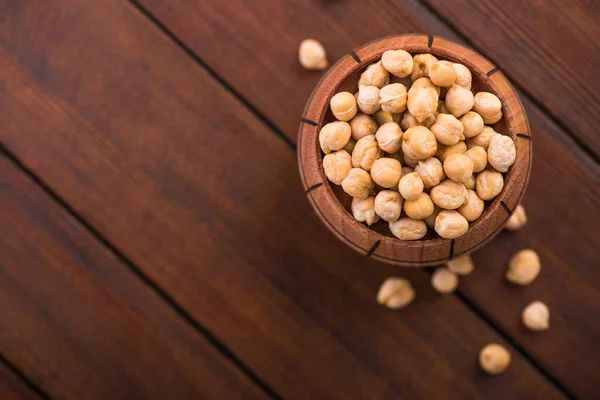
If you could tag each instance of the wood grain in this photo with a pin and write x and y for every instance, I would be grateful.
(206, 199)
(12, 387)
(79, 324)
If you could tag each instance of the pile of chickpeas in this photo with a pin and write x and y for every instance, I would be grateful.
(413, 146)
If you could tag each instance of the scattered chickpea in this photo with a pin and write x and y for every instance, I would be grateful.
(349, 147)
(337, 165)
(536, 316)
(421, 65)
(431, 172)
(489, 184)
(501, 152)
(458, 167)
(523, 267)
(470, 183)
(488, 105)
(410, 186)
(408, 229)
(430, 221)
(472, 124)
(334, 136)
(397, 62)
(395, 293)
(479, 156)
(445, 151)
(343, 106)
(312, 55)
(383, 117)
(463, 75)
(442, 73)
(386, 172)
(393, 98)
(449, 195)
(419, 142)
(388, 205)
(420, 208)
(363, 210)
(444, 281)
(517, 220)
(447, 129)
(472, 207)
(483, 139)
(368, 99)
(366, 151)
(494, 359)
(374, 75)
(450, 224)
(389, 137)
(462, 265)
(459, 100)
(358, 183)
(362, 125)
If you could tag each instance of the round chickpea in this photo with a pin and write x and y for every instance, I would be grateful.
(445, 151)
(473, 206)
(397, 62)
(421, 65)
(458, 167)
(488, 105)
(408, 229)
(358, 183)
(337, 165)
(489, 184)
(362, 125)
(393, 98)
(449, 224)
(368, 99)
(459, 100)
(420, 208)
(374, 75)
(472, 124)
(442, 73)
(462, 265)
(536, 316)
(444, 281)
(447, 129)
(409, 161)
(388, 205)
(389, 137)
(478, 155)
(410, 186)
(312, 55)
(494, 359)
(449, 195)
(396, 293)
(523, 267)
(418, 142)
(463, 75)
(343, 106)
(431, 172)
(386, 172)
(334, 136)
(363, 210)
(483, 139)
(365, 153)
(422, 103)
(517, 220)
(501, 152)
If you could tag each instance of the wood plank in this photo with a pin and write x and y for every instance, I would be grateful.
(13, 387)
(206, 199)
(81, 325)
(279, 87)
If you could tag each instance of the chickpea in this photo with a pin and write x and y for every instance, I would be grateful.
(442, 73)
(422, 100)
(420, 208)
(524, 267)
(362, 125)
(407, 170)
(358, 183)
(409, 120)
(397, 62)
(421, 65)
(430, 221)
(458, 167)
(418, 142)
(334, 136)
(425, 83)
(444, 281)
(431, 172)
(343, 106)
(478, 155)
(501, 152)
(337, 165)
(536, 316)
(463, 75)
(442, 109)
(472, 124)
(483, 139)
(488, 105)
(462, 265)
(449, 224)
(374, 75)
(389, 137)
(489, 184)
(383, 117)
(445, 151)
(365, 153)
(312, 55)
(363, 210)
(473, 206)
(388, 205)
(459, 100)
(409, 161)
(408, 229)
(494, 359)
(410, 186)
(393, 98)
(517, 220)
(349, 147)
(386, 172)
(396, 293)
(470, 183)
(447, 129)
(449, 195)
(368, 99)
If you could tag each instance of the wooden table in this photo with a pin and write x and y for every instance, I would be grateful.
(157, 244)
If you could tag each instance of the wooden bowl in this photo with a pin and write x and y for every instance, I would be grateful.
(332, 205)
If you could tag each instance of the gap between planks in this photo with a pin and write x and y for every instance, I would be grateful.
(28, 381)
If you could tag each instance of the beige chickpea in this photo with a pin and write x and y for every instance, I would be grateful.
(536, 316)
(501, 152)
(458, 167)
(483, 139)
(447, 129)
(494, 359)
(449, 195)
(489, 184)
(450, 224)
(419, 142)
(462, 265)
(478, 155)
(383, 117)
(409, 161)
(431, 172)
(395, 293)
(312, 55)
(362, 125)
(349, 147)
(334, 136)
(421, 65)
(358, 183)
(374, 75)
(368, 99)
(472, 124)
(517, 220)
(463, 75)
(397, 62)
(442, 109)
(388, 205)
(365, 153)
(409, 120)
(472, 207)
(470, 183)
(408, 229)
(407, 170)
(523, 267)
(389, 137)
(488, 105)
(393, 98)
(423, 99)
(343, 106)
(425, 83)
(386, 172)
(444, 281)
(459, 100)
(442, 73)
(430, 221)
(410, 186)
(445, 151)
(363, 210)
(337, 165)
(420, 208)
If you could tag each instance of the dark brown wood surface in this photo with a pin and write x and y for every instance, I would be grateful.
(198, 191)
(13, 387)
